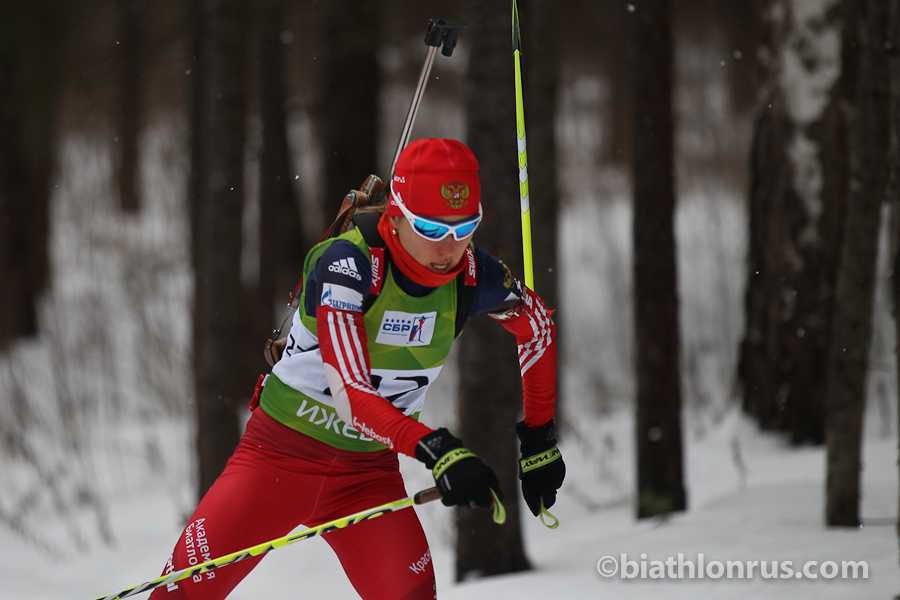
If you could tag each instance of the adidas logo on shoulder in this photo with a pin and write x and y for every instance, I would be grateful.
(345, 266)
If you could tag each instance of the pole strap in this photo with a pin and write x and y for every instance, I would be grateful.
(499, 512)
(554, 523)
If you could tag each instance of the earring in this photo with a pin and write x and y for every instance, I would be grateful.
(394, 231)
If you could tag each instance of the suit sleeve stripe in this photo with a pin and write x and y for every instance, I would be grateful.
(335, 323)
(538, 342)
(531, 351)
(338, 350)
(358, 348)
(336, 346)
(354, 353)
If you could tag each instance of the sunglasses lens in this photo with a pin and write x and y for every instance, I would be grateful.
(467, 229)
(430, 229)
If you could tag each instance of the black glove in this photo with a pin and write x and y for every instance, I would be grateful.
(541, 469)
(462, 478)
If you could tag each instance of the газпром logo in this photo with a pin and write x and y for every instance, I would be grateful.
(341, 297)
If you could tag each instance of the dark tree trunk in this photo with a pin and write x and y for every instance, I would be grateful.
(894, 181)
(490, 384)
(867, 113)
(658, 425)
(29, 86)
(195, 112)
(797, 175)
(218, 301)
(622, 112)
(351, 79)
(540, 63)
(281, 241)
(131, 28)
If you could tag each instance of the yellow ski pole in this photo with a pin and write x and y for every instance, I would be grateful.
(523, 186)
(523, 154)
(422, 497)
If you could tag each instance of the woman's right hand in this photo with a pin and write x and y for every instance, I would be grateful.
(462, 478)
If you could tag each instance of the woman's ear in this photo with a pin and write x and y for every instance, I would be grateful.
(395, 221)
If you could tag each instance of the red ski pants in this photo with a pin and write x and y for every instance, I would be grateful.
(278, 479)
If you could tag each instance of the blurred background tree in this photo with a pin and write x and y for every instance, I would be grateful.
(490, 386)
(866, 101)
(660, 472)
(33, 37)
(797, 191)
(130, 46)
(219, 315)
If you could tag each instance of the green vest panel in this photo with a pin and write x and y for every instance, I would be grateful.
(408, 342)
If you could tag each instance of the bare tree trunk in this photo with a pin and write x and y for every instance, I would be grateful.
(218, 315)
(131, 28)
(18, 199)
(867, 113)
(796, 198)
(281, 240)
(490, 384)
(658, 425)
(894, 181)
(29, 88)
(350, 97)
(540, 63)
(739, 21)
(195, 114)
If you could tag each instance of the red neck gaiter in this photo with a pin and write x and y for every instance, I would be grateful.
(408, 265)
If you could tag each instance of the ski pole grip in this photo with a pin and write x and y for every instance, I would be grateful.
(426, 496)
(444, 33)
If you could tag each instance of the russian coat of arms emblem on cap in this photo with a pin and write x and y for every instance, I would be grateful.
(456, 194)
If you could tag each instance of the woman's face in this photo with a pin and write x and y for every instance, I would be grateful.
(438, 257)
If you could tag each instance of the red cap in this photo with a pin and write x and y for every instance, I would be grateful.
(436, 178)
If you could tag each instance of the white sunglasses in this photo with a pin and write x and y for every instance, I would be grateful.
(435, 231)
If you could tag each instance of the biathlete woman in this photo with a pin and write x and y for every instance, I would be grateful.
(373, 329)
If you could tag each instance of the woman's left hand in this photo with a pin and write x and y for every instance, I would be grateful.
(541, 469)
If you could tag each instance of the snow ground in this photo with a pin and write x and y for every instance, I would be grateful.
(771, 508)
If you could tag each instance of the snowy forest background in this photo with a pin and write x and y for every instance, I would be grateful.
(98, 416)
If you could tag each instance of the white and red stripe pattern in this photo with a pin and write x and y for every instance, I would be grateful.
(352, 360)
(535, 332)
(542, 330)
(344, 347)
